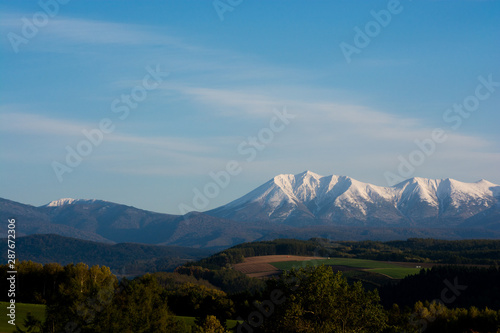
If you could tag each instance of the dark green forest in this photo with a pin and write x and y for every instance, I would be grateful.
(451, 297)
(124, 259)
(478, 252)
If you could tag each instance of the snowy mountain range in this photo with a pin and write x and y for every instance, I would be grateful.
(310, 199)
(300, 206)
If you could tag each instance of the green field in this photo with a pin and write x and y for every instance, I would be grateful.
(21, 312)
(394, 271)
(39, 312)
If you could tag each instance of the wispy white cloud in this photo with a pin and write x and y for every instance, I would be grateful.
(324, 126)
(35, 124)
(164, 143)
(230, 102)
(96, 32)
(343, 135)
(75, 31)
(254, 102)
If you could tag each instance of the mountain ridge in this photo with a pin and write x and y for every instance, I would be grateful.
(307, 196)
(107, 222)
(286, 206)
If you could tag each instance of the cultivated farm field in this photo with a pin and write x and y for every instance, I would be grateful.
(260, 267)
(267, 266)
(393, 270)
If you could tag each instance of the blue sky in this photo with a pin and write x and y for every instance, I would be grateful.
(227, 81)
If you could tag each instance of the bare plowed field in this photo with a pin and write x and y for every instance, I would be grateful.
(259, 267)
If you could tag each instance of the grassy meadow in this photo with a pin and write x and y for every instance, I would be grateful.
(38, 310)
(22, 310)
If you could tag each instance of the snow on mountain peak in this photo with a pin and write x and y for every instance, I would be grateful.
(309, 195)
(68, 201)
(61, 202)
(300, 187)
(308, 174)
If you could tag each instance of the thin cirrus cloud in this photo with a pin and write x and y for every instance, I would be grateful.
(229, 103)
(331, 123)
(193, 62)
(346, 129)
(34, 124)
(42, 126)
(71, 31)
(324, 124)
(249, 101)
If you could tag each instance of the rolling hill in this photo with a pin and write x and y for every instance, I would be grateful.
(122, 258)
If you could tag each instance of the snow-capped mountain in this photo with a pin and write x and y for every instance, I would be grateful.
(308, 199)
(70, 201)
(288, 206)
(108, 222)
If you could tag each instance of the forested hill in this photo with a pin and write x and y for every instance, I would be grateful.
(122, 258)
(136, 259)
(476, 251)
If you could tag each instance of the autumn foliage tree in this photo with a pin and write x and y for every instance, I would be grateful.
(318, 300)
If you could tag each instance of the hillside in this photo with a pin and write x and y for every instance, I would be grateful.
(122, 258)
(474, 251)
(108, 222)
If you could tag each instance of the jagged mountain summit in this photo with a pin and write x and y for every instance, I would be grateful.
(310, 199)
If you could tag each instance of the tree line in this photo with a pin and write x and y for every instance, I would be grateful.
(450, 298)
(477, 252)
(127, 259)
(79, 298)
